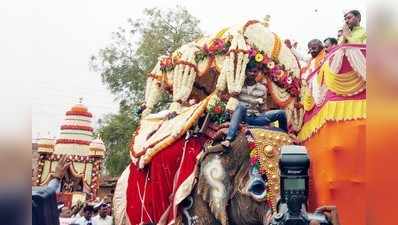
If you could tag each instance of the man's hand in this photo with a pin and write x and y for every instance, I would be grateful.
(288, 43)
(346, 31)
(330, 212)
(61, 167)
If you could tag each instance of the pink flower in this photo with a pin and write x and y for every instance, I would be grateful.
(253, 161)
(252, 52)
(266, 59)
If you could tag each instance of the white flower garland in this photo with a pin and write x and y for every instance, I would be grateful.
(152, 90)
(229, 76)
(184, 75)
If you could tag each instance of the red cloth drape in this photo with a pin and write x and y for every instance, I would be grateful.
(150, 191)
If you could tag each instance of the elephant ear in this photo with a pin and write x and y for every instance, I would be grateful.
(215, 183)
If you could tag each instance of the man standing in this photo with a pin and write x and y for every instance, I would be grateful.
(103, 218)
(353, 33)
(88, 211)
(317, 52)
(330, 43)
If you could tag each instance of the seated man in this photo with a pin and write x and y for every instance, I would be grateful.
(252, 108)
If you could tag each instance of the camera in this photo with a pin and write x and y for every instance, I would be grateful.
(292, 206)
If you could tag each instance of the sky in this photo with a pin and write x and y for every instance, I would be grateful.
(45, 46)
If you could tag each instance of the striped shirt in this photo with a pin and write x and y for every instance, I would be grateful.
(252, 97)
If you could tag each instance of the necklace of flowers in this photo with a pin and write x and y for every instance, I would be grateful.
(283, 77)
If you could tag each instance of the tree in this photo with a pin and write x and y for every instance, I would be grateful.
(124, 64)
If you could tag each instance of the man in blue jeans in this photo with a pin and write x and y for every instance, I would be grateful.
(252, 108)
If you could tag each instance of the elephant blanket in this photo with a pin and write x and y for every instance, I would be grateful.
(154, 192)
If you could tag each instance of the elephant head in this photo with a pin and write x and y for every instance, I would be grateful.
(228, 190)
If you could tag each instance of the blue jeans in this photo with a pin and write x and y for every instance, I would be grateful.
(240, 115)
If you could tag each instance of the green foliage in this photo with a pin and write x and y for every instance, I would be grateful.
(124, 64)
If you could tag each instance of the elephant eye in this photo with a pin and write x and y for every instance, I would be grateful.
(257, 188)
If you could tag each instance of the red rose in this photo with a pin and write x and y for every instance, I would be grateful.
(218, 109)
(252, 145)
(213, 48)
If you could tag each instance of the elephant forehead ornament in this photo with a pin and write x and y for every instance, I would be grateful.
(265, 158)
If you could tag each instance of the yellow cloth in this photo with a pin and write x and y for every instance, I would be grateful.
(346, 84)
(358, 36)
(333, 111)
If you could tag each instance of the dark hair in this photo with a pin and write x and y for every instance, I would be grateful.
(354, 12)
(88, 208)
(317, 41)
(332, 40)
(103, 205)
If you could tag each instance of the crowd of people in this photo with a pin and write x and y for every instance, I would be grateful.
(81, 213)
(87, 214)
(351, 33)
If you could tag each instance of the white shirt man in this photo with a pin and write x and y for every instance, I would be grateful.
(86, 219)
(102, 218)
(108, 220)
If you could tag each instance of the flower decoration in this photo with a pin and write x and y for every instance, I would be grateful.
(275, 71)
(166, 64)
(217, 47)
(259, 57)
(270, 65)
(217, 110)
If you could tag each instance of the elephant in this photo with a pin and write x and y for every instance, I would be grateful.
(228, 189)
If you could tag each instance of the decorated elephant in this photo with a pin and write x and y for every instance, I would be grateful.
(179, 174)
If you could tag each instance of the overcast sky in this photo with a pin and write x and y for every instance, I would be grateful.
(48, 43)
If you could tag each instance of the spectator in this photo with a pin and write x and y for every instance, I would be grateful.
(329, 44)
(88, 211)
(44, 204)
(353, 33)
(103, 218)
